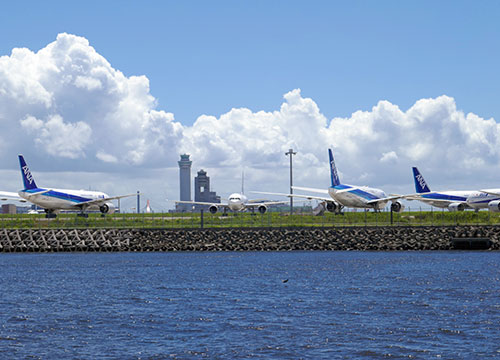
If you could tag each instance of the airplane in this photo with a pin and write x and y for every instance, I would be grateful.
(485, 199)
(54, 200)
(236, 202)
(351, 196)
(455, 200)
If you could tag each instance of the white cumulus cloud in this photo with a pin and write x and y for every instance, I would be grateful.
(66, 101)
(70, 102)
(59, 138)
(376, 147)
(389, 156)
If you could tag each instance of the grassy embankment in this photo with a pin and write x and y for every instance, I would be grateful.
(188, 220)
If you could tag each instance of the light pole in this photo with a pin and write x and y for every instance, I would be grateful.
(138, 202)
(291, 153)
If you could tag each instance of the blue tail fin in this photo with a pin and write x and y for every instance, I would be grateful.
(28, 181)
(333, 170)
(420, 184)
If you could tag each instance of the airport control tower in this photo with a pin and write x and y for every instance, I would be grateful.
(184, 182)
(202, 191)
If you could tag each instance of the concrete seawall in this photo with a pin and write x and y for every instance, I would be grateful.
(255, 239)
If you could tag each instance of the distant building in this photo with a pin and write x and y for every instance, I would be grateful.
(202, 190)
(184, 182)
(9, 209)
(201, 187)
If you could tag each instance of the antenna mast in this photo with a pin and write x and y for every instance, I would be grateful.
(242, 182)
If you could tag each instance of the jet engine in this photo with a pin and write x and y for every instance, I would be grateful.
(107, 208)
(213, 209)
(396, 206)
(494, 206)
(331, 206)
(456, 207)
(262, 209)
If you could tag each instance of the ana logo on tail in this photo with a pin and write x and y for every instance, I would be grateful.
(28, 180)
(28, 175)
(333, 169)
(421, 181)
(420, 184)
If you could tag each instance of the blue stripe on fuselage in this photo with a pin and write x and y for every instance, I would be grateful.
(364, 194)
(484, 201)
(59, 195)
(68, 197)
(438, 196)
(34, 191)
(357, 192)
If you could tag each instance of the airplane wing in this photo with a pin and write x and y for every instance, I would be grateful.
(494, 192)
(444, 201)
(389, 198)
(269, 193)
(200, 203)
(419, 196)
(416, 196)
(437, 200)
(256, 201)
(7, 195)
(309, 197)
(319, 191)
(103, 200)
(266, 203)
(312, 197)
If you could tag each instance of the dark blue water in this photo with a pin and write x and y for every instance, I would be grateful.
(316, 305)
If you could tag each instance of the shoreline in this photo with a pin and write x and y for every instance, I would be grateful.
(380, 238)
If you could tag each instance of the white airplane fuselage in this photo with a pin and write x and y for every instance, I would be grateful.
(237, 202)
(445, 198)
(358, 196)
(63, 199)
(480, 200)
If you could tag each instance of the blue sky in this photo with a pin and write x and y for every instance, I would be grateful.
(205, 57)
(392, 60)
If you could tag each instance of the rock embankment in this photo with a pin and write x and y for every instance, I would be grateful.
(255, 239)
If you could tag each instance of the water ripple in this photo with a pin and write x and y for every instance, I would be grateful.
(236, 305)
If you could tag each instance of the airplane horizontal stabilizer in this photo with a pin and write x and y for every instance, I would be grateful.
(7, 195)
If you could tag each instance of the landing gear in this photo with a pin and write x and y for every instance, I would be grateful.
(50, 214)
(82, 214)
